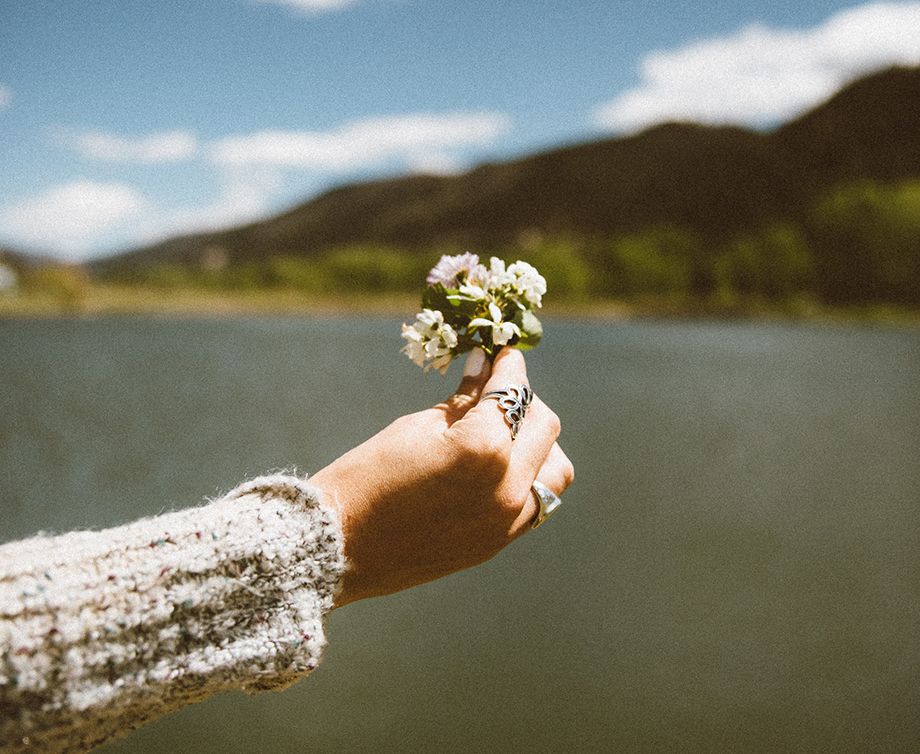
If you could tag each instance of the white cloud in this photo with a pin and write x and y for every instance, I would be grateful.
(243, 196)
(436, 163)
(760, 75)
(310, 6)
(80, 219)
(6, 96)
(363, 143)
(70, 219)
(167, 146)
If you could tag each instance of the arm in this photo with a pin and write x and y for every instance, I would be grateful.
(103, 631)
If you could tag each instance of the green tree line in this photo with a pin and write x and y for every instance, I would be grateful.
(858, 244)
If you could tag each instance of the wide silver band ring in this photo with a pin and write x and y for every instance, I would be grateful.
(548, 500)
(513, 400)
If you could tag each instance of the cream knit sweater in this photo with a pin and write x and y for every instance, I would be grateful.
(103, 631)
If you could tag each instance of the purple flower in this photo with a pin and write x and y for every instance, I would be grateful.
(449, 269)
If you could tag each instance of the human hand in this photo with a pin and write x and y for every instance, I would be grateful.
(443, 489)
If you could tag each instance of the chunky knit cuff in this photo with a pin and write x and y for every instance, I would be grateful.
(103, 631)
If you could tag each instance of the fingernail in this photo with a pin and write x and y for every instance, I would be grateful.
(474, 363)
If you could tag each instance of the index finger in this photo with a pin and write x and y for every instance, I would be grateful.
(486, 419)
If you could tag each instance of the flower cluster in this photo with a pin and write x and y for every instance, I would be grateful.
(468, 305)
(430, 339)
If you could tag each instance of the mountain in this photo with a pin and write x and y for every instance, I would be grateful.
(20, 261)
(714, 180)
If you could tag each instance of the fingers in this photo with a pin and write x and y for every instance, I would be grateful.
(483, 431)
(557, 473)
(535, 439)
(476, 371)
(486, 419)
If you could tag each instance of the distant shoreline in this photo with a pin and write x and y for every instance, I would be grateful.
(103, 300)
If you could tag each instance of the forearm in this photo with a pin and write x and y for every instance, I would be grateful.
(102, 631)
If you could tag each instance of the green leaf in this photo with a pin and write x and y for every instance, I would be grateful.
(436, 297)
(531, 329)
(457, 311)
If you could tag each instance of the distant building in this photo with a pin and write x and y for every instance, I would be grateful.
(9, 280)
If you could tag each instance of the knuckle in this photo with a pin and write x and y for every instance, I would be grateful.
(482, 455)
(548, 418)
(492, 457)
(510, 501)
(555, 424)
(568, 473)
(506, 505)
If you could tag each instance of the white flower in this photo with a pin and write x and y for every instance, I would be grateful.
(530, 283)
(440, 350)
(415, 344)
(429, 338)
(430, 319)
(448, 336)
(502, 331)
(498, 275)
(479, 276)
(471, 292)
(450, 269)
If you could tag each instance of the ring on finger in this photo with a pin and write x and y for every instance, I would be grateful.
(548, 502)
(513, 400)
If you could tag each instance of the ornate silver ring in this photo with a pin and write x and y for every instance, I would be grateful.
(513, 400)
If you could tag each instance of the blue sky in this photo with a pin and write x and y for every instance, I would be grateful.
(125, 122)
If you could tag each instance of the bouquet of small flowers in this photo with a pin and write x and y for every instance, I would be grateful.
(467, 305)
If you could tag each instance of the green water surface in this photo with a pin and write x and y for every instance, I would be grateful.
(737, 567)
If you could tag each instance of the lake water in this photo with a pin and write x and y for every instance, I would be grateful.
(737, 567)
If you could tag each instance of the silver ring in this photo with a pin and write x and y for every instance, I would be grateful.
(549, 501)
(513, 400)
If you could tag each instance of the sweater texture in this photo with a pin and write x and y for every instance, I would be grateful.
(103, 631)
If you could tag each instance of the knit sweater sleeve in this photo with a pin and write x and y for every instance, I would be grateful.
(103, 631)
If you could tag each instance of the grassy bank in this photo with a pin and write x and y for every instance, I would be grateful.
(124, 299)
(106, 298)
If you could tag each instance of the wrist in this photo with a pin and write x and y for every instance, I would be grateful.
(329, 490)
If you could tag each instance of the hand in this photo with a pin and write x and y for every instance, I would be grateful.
(445, 488)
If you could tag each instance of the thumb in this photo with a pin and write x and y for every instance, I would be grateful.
(476, 372)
